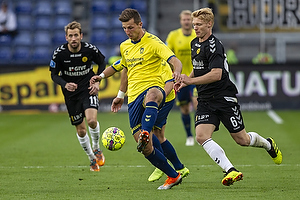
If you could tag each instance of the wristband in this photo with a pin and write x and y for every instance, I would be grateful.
(121, 94)
(102, 75)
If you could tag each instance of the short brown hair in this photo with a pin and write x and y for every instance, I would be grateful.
(130, 13)
(204, 14)
(72, 25)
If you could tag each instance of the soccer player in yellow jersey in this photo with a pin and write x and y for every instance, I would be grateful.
(159, 141)
(141, 56)
(179, 41)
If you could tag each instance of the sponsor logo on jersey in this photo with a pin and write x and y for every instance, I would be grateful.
(202, 118)
(75, 55)
(84, 59)
(198, 64)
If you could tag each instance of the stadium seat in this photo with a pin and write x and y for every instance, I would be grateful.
(63, 7)
(5, 40)
(144, 20)
(43, 23)
(100, 6)
(140, 5)
(118, 36)
(41, 55)
(58, 38)
(115, 22)
(23, 39)
(99, 37)
(100, 21)
(61, 21)
(5, 55)
(24, 7)
(43, 8)
(24, 22)
(22, 55)
(118, 6)
(42, 38)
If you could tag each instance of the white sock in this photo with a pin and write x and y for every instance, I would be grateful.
(258, 141)
(217, 154)
(95, 135)
(86, 145)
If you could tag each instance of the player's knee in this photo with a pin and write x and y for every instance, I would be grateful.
(185, 109)
(241, 138)
(148, 150)
(160, 136)
(200, 139)
(242, 143)
(81, 132)
(92, 123)
(154, 95)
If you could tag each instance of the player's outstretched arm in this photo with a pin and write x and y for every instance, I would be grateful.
(119, 100)
(177, 67)
(117, 104)
(109, 71)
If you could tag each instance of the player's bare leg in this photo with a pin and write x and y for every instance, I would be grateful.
(94, 129)
(84, 141)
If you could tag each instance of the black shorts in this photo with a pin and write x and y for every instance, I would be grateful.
(225, 110)
(77, 106)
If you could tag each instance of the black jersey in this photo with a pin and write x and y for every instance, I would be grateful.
(76, 67)
(206, 56)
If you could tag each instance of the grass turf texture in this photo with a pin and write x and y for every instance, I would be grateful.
(41, 159)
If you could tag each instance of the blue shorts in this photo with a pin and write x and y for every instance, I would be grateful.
(136, 110)
(185, 95)
(163, 114)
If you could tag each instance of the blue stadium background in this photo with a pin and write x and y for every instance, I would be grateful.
(41, 27)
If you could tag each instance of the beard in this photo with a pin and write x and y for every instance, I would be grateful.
(74, 45)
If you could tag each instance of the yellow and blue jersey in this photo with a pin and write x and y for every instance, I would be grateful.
(167, 76)
(143, 62)
(180, 44)
(117, 66)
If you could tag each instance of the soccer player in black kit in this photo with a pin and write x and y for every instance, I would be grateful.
(217, 101)
(71, 68)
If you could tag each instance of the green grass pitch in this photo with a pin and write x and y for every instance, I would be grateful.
(41, 159)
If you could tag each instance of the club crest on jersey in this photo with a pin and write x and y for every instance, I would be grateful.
(84, 59)
(142, 50)
(198, 51)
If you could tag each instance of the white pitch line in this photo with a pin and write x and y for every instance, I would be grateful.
(276, 118)
(140, 166)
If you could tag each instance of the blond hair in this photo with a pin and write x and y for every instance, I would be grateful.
(204, 14)
(185, 12)
(72, 25)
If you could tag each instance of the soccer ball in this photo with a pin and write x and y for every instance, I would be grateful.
(113, 138)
